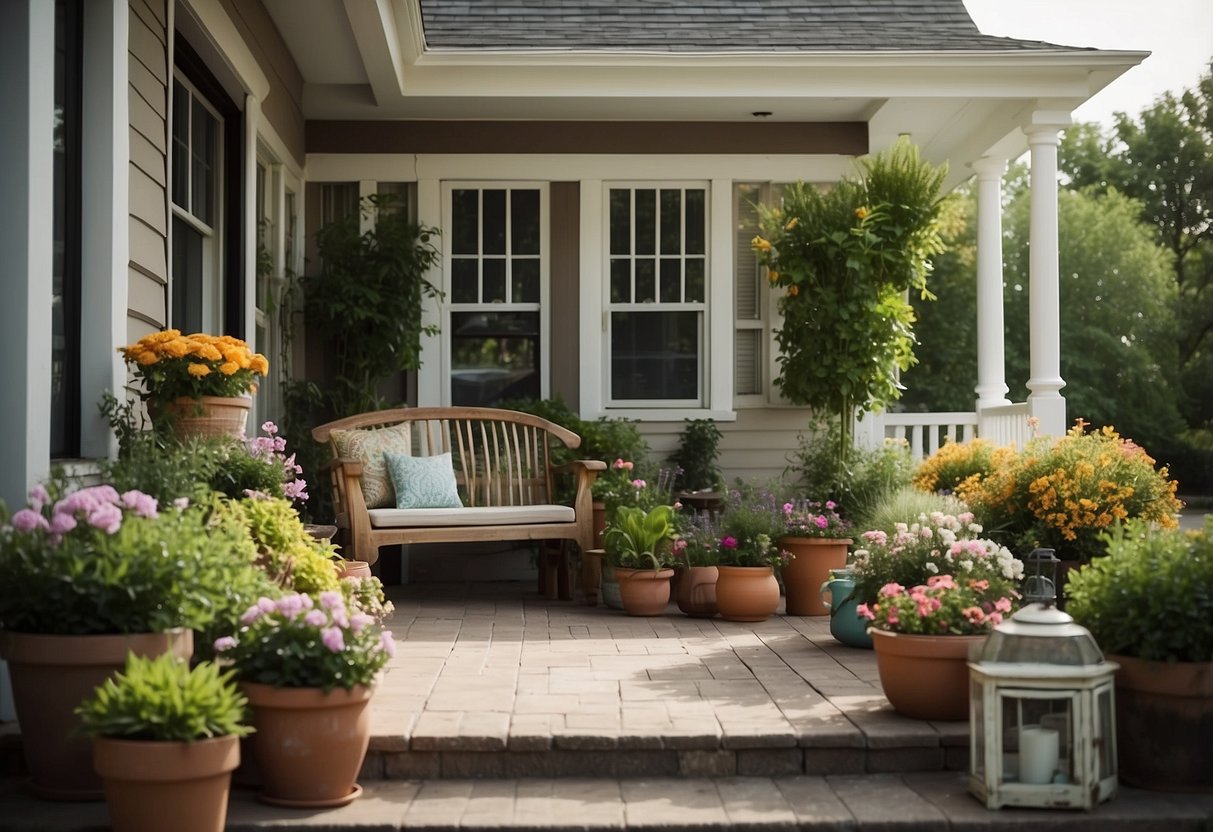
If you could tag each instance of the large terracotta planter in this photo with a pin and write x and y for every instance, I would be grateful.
(309, 745)
(209, 416)
(812, 560)
(51, 676)
(644, 591)
(697, 591)
(148, 782)
(925, 677)
(1164, 724)
(746, 593)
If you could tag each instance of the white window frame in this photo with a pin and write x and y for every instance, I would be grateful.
(213, 241)
(543, 306)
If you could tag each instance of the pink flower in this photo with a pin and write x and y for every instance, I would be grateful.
(679, 546)
(331, 599)
(1003, 605)
(618, 463)
(333, 639)
(266, 604)
(106, 517)
(224, 643)
(387, 644)
(728, 542)
(820, 521)
(891, 590)
(359, 620)
(628, 466)
(315, 618)
(677, 505)
(38, 497)
(638, 483)
(995, 618)
(787, 508)
(26, 520)
(269, 428)
(831, 505)
(941, 582)
(290, 605)
(864, 611)
(143, 505)
(974, 614)
(296, 490)
(891, 617)
(251, 614)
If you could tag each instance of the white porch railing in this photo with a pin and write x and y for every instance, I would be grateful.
(925, 433)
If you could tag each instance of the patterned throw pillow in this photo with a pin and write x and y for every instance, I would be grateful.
(368, 447)
(424, 481)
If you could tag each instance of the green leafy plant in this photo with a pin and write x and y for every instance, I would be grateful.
(697, 542)
(163, 699)
(299, 642)
(698, 450)
(290, 556)
(844, 260)
(96, 561)
(636, 538)
(1151, 595)
(750, 526)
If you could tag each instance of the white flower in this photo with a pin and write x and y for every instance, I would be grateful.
(932, 567)
(966, 565)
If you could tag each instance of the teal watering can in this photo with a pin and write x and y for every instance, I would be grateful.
(845, 623)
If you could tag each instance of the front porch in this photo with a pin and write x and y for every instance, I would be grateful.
(504, 710)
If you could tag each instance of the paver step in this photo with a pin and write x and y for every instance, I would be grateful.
(856, 803)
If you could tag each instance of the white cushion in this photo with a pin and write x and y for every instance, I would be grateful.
(403, 518)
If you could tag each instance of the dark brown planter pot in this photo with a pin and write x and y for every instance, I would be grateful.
(1164, 724)
(697, 591)
(746, 593)
(809, 569)
(925, 677)
(309, 745)
(644, 591)
(51, 676)
(147, 783)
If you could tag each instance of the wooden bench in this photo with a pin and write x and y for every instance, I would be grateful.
(504, 473)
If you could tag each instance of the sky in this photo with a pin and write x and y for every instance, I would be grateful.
(1178, 33)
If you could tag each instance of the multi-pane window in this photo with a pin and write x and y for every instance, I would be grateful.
(197, 289)
(657, 294)
(496, 278)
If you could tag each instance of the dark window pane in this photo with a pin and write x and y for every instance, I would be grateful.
(671, 280)
(524, 222)
(696, 235)
(646, 221)
(494, 356)
(621, 281)
(181, 146)
(694, 290)
(204, 155)
(655, 355)
(464, 280)
(525, 280)
(465, 212)
(338, 201)
(494, 221)
(646, 281)
(621, 225)
(493, 280)
(671, 221)
(187, 277)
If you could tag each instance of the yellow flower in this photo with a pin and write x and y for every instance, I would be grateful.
(793, 291)
(176, 348)
(209, 352)
(759, 244)
(259, 364)
(198, 370)
(773, 276)
(145, 358)
(228, 367)
(861, 212)
(792, 223)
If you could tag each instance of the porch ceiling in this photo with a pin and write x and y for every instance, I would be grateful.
(369, 61)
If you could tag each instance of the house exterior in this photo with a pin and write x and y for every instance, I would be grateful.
(592, 168)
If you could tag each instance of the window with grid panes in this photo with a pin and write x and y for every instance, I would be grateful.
(657, 294)
(496, 243)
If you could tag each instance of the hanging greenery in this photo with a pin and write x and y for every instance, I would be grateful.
(844, 260)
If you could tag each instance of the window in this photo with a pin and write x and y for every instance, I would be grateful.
(497, 278)
(65, 278)
(657, 295)
(197, 221)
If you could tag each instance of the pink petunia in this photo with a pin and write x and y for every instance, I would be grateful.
(618, 464)
(1003, 605)
(26, 520)
(820, 521)
(891, 590)
(333, 639)
(941, 582)
(315, 618)
(728, 542)
(864, 611)
(831, 505)
(106, 517)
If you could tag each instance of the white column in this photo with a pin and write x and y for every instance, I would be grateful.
(1045, 382)
(991, 365)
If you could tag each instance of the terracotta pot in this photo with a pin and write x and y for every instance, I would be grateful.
(925, 677)
(309, 745)
(51, 675)
(355, 569)
(746, 593)
(644, 591)
(697, 591)
(209, 416)
(812, 560)
(147, 782)
(1164, 724)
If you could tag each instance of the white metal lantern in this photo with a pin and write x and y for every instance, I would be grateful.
(1041, 717)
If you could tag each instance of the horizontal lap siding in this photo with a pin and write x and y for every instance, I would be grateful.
(148, 172)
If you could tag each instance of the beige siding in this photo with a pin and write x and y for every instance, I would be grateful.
(756, 446)
(148, 201)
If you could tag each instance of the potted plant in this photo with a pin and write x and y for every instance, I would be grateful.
(308, 667)
(938, 591)
(199, 383)
(88, 577)
(1148, 604)
(165, 742)
(638, 545)
(698, 450)
(746, 586)
(817, 538)
(697, 550)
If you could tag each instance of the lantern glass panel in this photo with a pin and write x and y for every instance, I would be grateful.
(1038, 737)
(1106, 740)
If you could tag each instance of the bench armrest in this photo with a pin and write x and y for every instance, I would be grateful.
(586, 471)
(348, 475)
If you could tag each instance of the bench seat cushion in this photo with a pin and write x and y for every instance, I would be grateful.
(403, 518)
